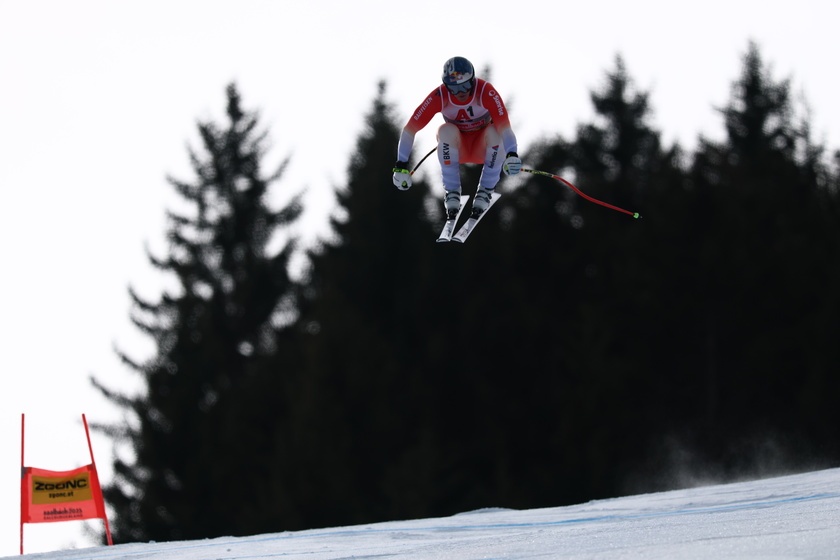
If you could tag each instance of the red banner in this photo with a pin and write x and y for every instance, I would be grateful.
(48, 496)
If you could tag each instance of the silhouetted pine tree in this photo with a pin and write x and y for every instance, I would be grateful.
(766, 259)
(202, 433)
(611, 355)
(372, 291)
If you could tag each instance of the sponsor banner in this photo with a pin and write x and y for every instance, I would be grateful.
(48, 496)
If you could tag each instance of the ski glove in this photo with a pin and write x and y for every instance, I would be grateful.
(512, 164)
(402, 176)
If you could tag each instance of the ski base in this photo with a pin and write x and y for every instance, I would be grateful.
(449, 227)
(472, 221)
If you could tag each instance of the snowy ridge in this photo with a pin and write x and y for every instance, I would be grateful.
(795, 516)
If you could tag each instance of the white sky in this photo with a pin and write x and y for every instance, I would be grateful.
(98, 101)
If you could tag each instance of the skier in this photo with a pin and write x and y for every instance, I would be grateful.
(477, 124)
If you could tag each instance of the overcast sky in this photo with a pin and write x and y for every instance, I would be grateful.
(99, 101)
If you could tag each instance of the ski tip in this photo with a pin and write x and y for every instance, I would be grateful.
(443, 240)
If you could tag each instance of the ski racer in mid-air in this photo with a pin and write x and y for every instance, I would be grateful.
(476, 126)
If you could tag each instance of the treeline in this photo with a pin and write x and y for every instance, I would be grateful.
(567, 352)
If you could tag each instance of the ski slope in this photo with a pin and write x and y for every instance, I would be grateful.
(788, 517)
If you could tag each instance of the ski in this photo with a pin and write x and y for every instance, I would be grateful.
(471, 222)
(449, 226)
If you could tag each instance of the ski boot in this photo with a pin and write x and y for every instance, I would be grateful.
(452, 203)
(481, 201)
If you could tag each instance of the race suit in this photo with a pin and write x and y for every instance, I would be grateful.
(476, 130)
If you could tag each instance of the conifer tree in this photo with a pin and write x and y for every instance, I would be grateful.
(766, 188)
(389, 392)
(201, 433)
(618, 158)
(369, 282)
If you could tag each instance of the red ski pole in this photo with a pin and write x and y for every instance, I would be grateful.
(574, 188)
(551, 175)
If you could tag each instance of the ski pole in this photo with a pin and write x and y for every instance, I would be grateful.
(551, 175)
(574, 188)
(422, 160)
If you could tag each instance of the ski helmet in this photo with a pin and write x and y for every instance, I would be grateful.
(458, 74)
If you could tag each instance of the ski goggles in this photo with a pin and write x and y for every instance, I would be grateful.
(460, 88)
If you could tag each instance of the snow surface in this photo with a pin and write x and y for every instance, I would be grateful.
(795, 516)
